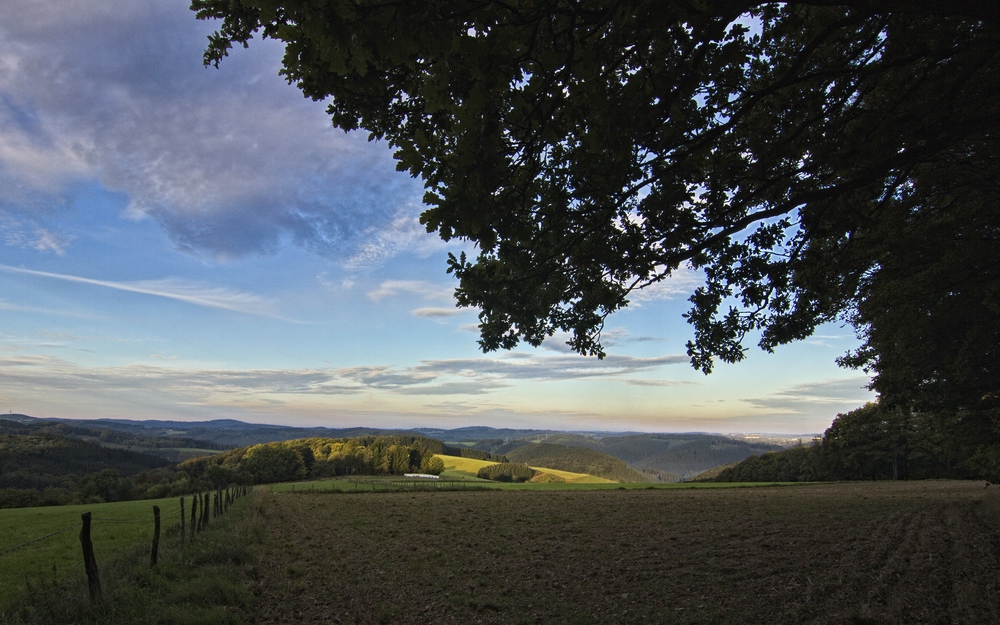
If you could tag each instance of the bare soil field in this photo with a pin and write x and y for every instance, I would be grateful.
(858, 553)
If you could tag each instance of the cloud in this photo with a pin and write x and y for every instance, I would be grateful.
(170, 288)
(438, 312)
(44, 311)
(681, 283)
(660, 383)
(229, 162)
(420, 288)
(837, 394)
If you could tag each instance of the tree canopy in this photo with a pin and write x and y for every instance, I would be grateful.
(818, 161)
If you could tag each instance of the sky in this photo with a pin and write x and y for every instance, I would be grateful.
(191, 243)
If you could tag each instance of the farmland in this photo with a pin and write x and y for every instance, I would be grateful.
(913, 552)
(373, 551)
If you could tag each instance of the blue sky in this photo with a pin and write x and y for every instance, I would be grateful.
(189, 243)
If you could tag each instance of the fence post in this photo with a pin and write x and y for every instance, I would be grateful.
(89, 563)
(205, 512)
(156, 536)
(182, 521)
(195, 518)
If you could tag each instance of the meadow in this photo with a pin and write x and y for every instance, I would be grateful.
(115, 527)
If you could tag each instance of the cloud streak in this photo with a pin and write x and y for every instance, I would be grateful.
(170, 288)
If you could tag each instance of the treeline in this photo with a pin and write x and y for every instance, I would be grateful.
(506, 472)
(50, 470)
(876, 443)
(475, 454)
(319, 457)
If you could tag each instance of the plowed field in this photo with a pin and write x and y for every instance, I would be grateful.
(914, 552)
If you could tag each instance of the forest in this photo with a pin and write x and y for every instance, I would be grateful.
(875, 442)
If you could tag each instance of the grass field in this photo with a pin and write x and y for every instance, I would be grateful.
(114, 527)
(454, 466)
(905, 552)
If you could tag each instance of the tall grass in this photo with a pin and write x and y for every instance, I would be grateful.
(205, 581)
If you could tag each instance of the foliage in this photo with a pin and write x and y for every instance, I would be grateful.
(475, 454)
(321, 457)
(873, 442)
(576, 460)
(816, 160)
(506, 472)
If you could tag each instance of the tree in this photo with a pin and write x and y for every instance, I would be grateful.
(817, 160)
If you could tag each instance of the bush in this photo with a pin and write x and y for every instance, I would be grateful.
(506, 472)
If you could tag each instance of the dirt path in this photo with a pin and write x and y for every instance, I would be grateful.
(916, 552)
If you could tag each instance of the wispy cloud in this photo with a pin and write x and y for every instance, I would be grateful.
(836, 394)
(438, 312)
(681, 283)
(229, 162)
(170, 288)
(43, 311)
(420, 288)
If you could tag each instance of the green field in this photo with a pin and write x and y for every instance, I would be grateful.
(115, 527)
(470, 467)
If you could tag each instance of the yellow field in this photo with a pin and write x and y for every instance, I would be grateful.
(469, 467)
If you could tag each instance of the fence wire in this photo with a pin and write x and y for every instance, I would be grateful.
(35, 540)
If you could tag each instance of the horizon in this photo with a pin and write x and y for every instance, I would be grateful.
(186, 243)
(419, 428)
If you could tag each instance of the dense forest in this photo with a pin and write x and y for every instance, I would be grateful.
(875, 443)
(576, 460)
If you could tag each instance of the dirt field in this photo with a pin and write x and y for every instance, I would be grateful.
(914, 552)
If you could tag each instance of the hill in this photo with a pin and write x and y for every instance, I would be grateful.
(455, 466)
(33, 458)
(577, 460)
(667, 457)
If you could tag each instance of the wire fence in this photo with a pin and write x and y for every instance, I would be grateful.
(40, 538)
(183, 517)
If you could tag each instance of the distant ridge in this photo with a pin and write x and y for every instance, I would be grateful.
(658, 455)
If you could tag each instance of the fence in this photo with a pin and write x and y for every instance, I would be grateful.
(187, 518)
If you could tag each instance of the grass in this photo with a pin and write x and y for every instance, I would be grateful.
(205, 581)
(115, 527)
(470, 467)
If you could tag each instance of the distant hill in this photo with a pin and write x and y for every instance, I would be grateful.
(217, 434)
(667, 457)
(577, 460)
(663, 457)
(32, 458)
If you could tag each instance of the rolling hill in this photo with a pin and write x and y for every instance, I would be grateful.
(577, 460)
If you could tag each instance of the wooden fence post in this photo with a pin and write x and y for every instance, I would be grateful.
(156, 536)
(205, 512)
(195, 518)
(89, 563)
(182, 521)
